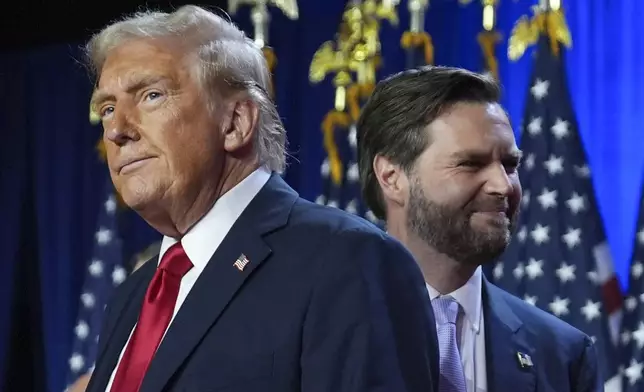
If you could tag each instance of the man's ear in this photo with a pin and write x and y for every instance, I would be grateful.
(392, 179)
(240, 130)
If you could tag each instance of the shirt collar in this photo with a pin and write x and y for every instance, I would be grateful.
(218, 220)
(468, 297)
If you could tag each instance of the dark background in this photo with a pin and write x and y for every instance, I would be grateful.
(31, 23)
(51, 181)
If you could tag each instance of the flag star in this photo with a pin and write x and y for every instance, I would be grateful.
(566, 273)
(352, 173)
(529, 161)
(333, 203)
(559, 307)
(554, 165)
(640, 236)
(532, 300)
(547, 198)
(525, 199)
(88, 300)
(76, 362)
(638, 335)
(576, 203)
(96, 268)
(320, 200)
(593, 277)
(522, 234)
(498, 271)
(591, 310)
(625, 337)
(534, 127)
(118, 275)
(634, 371)
(103, 236)
(534, 269)
(560, 129)
(325, 168)
(110, 205)
(637, 269)
(540, 89)
(81, 330)
(630, 303)
(582, 171)
(352, 137)
(540, 234)
(351, 207)
(572, 237)
(641, 297)
(371, 216)
(518, 271)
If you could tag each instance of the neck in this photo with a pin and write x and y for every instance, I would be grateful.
(439, 270)
(185, 212)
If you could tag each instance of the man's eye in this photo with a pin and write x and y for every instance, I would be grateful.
(153, 95)
(106, 111)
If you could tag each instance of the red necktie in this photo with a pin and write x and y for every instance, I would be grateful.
(155, 316)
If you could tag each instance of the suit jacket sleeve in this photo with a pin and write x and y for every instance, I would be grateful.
(588, 379)
(369, 325)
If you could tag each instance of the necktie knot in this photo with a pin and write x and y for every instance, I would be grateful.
(176, 261)
(445, 310)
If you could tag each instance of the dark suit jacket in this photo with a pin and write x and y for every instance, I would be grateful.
(563, 358)
(328, 303)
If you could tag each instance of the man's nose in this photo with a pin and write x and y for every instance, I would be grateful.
(123, 129)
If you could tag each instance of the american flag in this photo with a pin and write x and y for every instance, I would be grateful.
(632, 336)
(346, 193)
(105, 271)
(559, 259)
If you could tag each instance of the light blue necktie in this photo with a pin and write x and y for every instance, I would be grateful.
(452, 377)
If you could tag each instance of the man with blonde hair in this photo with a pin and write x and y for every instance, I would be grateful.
(254, 288)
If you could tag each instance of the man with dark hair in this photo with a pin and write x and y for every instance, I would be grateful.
(438, 161)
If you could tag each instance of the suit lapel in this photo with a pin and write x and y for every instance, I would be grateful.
(221, 279)
(123, 316)
(505, 341)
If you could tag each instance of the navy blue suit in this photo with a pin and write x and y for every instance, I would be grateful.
(563, 358)
(328, 303)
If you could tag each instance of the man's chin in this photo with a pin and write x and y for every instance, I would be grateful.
(492, 244)
(137, 201)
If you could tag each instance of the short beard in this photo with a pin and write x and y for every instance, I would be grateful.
(449, 231)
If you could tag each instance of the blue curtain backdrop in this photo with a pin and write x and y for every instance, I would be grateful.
(47, 138)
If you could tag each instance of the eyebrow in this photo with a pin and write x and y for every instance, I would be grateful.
(479, 154)
(132, 84)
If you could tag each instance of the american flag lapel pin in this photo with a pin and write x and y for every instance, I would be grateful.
(241, 262)
(524, 360)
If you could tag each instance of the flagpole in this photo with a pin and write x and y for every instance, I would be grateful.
(260, 17)
(416, 41)
(353, 58)
(489, 37)
(548, 19)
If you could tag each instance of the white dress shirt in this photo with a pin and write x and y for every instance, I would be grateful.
(201, 242)
(470, 330)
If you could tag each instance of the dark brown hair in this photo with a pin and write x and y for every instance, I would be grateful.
(394, 120)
